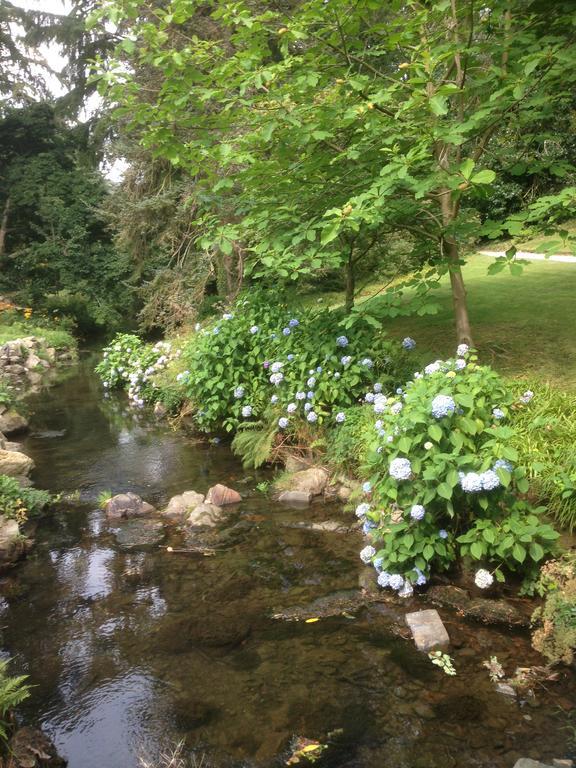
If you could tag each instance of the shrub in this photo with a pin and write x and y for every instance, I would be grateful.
(17, 503)
(555, 635)
(444, 479)
(545, 435)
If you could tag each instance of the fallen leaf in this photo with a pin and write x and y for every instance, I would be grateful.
(312, 621)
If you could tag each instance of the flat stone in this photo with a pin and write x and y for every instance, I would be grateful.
(562, 763)
(33, 361)
(11, 423)
(13, 463)
(295, 497)
(205, 515)
(295, 464)
(527, 762)
(428, 631)
(179, 506)
(312, 481)
(220, 495)
(127, 505)
(506, 689)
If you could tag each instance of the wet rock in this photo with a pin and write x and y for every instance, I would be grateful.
(12, 544)
(295, 464)
(505, 689)
(220, 495)
(344, 492)
(480, 608)
(11, 423)
(13, 463)
(160, 410)
(140, 534)
(297, 498)
(179, 506)
(127, 505)
(205, 515)
(10, 446)
(428, 630)
(527, 762)
(345, 601)
(30, 748)
(219, 629)
(33, 361)
(330, 526)
(562, 763)
(312, 481)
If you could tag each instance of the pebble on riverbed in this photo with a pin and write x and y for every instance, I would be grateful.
(127, 505)
(428, 630)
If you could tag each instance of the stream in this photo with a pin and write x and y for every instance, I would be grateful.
(131, 648)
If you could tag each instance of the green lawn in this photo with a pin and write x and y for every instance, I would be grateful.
(525, 326)
(55, 337)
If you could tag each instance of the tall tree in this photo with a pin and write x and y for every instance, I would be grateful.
(319, 122)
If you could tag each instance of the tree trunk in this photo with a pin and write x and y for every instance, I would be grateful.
(350, 283)
(4, 227)
(450, 254)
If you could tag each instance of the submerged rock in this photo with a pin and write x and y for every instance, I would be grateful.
(480, 608)
(298, 498)
(14, 463)
(205, 515)
(181, 505)
(30, 748)
(139, 534)
(127, 505)
(428, 630)
(220, 495)
(11, 423)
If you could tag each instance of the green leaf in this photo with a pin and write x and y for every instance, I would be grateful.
(435, 432)
(477, 550)
(536, 551)
(439, 105)
(467, 167)
(518, 553)
(483, 177)
(444, 490)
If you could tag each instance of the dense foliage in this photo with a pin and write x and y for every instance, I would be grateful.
(555, 634)
(17, 503)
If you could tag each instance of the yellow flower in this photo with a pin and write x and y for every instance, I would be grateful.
(451, 374)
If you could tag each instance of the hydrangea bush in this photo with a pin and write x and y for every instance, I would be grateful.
(444, 482)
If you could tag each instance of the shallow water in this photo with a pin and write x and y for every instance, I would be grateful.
(131, 647)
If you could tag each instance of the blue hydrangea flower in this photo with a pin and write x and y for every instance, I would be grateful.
(239, 392)
(399, 391)
(290, 357)
(227, 316)
(283, 422)
(293, 323)
(216, 331)
(407, 590)
(286, 331)
(276, 378)
(367, 554)
(377, 388)
(311, 381)
(307, 407)
(462, 350)
(443, 405)
(319, 369)
(291, 407)
(254, 329)
(421, 580)
(527, 396)
(247, 411)
(384, 579)
(490, 480)
(380, 402)
(274, 399)
(460, 364)
(345, 360)
(367, 362)
(310, 395)
(498, 413)
(377, 563)
(503, 464)
(276, 367)
(408, 343)
(396, 581)
(400, 469)
(340, 417)
(362, 509)
(300, 395)
(368, 526)
(369, 397)
(342, 341)
(417, 512)
(367, 486)
(336, 375)
(443, 533)
(432, 368)
(471, 482)
(396, 408)
(312, 417)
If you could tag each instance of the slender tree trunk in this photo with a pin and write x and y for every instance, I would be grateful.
(4, 228)
(350, 282)
(450, 254)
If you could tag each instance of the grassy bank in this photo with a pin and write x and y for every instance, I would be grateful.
(55, 337)
(523, 325)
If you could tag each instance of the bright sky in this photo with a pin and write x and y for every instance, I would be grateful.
(56, 61)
